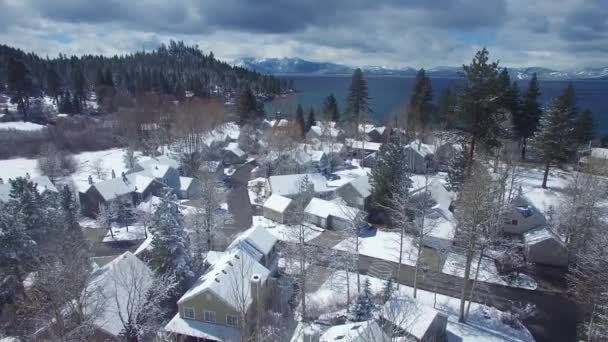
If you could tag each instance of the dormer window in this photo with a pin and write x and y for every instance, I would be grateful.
(209, 316)
(189, 312)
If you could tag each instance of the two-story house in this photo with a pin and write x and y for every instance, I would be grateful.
(222, 304)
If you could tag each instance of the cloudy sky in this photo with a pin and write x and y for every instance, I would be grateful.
(563, 34)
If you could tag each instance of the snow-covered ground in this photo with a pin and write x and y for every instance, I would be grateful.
(284, 232)
(134, 233)
(382, 245)
(483, 324)
(21, 126)
(531, 180)
(455, 265)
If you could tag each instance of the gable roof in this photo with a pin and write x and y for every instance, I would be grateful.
(409, 315)
(234, 148)
(185, 182)
(277, 203)
(113, 188)
(363, 145)
(323, 208)
(111, 282)
(290, 184)
(160, 160)
(257, 237)
(42, 183)
(421, 149)
(354, 332)
(539, 235)
(229, 279)
(361, 185)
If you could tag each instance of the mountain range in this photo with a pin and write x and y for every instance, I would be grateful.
(298, 66)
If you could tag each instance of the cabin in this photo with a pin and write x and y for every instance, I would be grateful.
(330, 215)
(232, 154)
(289, 185)
(357, 192)
(419, 157)
(369, 161)
(190, 188)
(521, 216)
(411, 321)
(276, 208)
(543, 246)
(439, 222)
(162, 168)
(361, 147)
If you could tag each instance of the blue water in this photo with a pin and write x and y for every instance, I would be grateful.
(389, 94)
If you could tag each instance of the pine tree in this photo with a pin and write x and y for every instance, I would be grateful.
(364, 305)
(18, 249)
(447, 106)
(53, 84)
(584, 130)
(170, 254)
(357, 100)
(456, 171)
(526, 119)
(28, 203)
(388, 290)
(311, 119)
(19, 81)
(420, 107)
(69, 206)
(388, 173)
(481, 101)
(330, 109)
(79, 85)
(300, 122)
(554, 139)
(247, 107)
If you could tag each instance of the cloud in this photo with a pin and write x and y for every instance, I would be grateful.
(358, 32)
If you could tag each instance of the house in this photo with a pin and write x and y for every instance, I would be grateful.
(234, 287)
(419, 157)
(276, 208)
(109, 289)
(43, 185)
(410, 320)
(521, 216)
(322, 132)
(355, 332)
(444, 154)
(310, 159)
(190, 188)
(256, 188)
(543, 246)
(439, 223)
(596, 157)
(211, 167)
(132, 189)
(356, 193)
(289, 185)
(360, 147)
(373, 133)
(232, 154)
(369, 160)
(330, 215)
(164, 169)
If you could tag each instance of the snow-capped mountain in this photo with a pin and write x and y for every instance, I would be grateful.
(295, 66)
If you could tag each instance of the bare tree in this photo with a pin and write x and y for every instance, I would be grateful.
(98, 169)
(107, 215)
(55, 164)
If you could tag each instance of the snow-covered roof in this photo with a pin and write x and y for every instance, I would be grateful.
(160, 160)
(204, 330)
(306, 153)
(363, 145)
(257, 237)
(234, 148)
(409, 315)
(229, 279)
(420, 148)
(213, 257)
(354, 332)
(113, 188)
(327, 131)
(598, 152)
(156, 170)
(535, 236)
(362, 185)
(322, 208)
(277, 203)
(112, 282)
(141, 180)
(287, 185)
(209, 166)
(185, 182)
(21, 126)
(43, 183)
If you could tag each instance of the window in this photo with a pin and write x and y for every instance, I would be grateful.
(209, 316)
(188, 312)
(514, 222)
(232, 320)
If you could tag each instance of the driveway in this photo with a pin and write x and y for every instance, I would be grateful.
(238, 199)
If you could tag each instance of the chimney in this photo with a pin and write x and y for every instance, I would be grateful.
(27, 175)
(90, 180)
(113, 174)
(256, 288)
(124, 177)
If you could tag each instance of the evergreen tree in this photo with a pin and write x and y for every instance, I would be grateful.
(246, 106)
(69, 206)
(481, 101)
(447, 106)
(79, 85)
(357, 100)
(18, 250)
(28, 207)
(388, 290)
(170, 254)
(53, 84)
(19, 81)
(456, 171)
(300, 122)
(363, 307)
(554, 139)
(584, 131)
(388, 173)
(311, 119)
(420, 107)
(330, 109)
(525, 121)
(509, 93)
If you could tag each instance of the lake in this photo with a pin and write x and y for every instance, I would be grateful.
(390, 93)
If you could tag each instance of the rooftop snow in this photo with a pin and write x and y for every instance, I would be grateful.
(234, 148)
(277, 203)
(204, 330)
(258, 237)
(362, 185)
(323, 208)
(287, 185)
(420, 148)
(363, 145)
(185, 182)
(409, 315)
(540, 234)
(354, 332)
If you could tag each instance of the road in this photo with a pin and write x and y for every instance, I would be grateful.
(238, 199)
